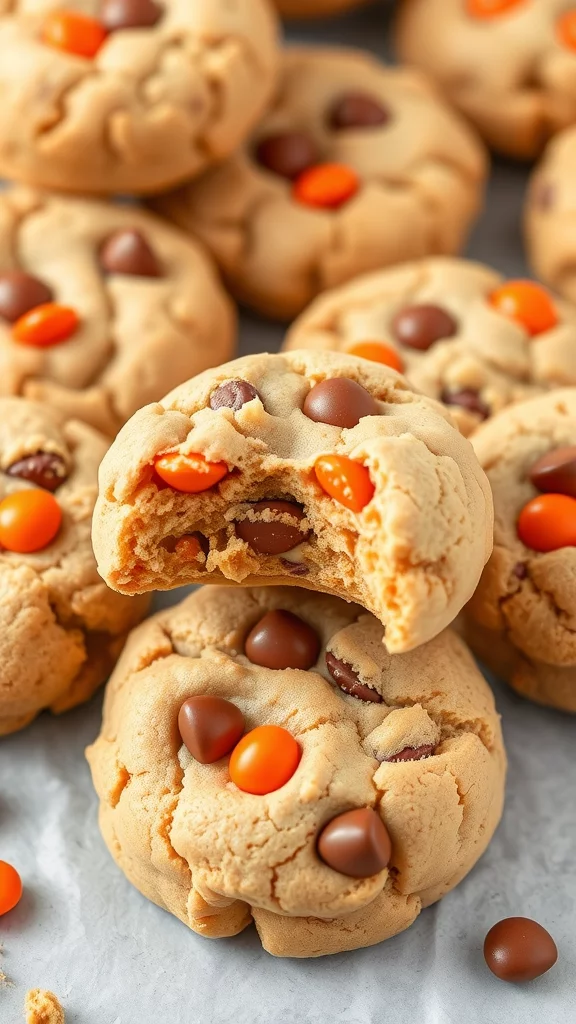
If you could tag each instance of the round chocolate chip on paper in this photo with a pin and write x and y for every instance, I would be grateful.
(282, 640)
(519, 949)
(287, 154)
(347, 679)
(19, 293)
(421, 326)
(356, 843)
(210, 727)
(272, 527)
(412, 754)
(233, 394)
(119, 14)
(126, 251)
(339, 401)
(555, 472)
(468, 399)
(45, 469)
(358, 110)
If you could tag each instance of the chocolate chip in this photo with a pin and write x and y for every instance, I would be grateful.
(233, 395)
(127, 252)
(421, 326)
(118, 14)
(518, 949)
(357, 110)
(356, 843)
(347, 679)
(45, 469)
(520, 570)
(339, 401)
(210, 727)
(412, 754)
(296, 568)
(268, 533)
(287, 154)
(466, 398)
(282, 640)
(555, 472)
(19, 293)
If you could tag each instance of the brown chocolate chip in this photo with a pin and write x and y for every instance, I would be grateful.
(269, 534)
(344, 675)
(520, 570)
(233, 395)
(118, 14)
(287, 154)
(518, 949)
(555, 472)
(282, 640)
(296, 568)
(127, 252)
(45, 469)
(357, 110)
(339, 401)
(412, 753)
(210, 727)
(356, 843)
(421, 326)
(468, 399)
(19, 293)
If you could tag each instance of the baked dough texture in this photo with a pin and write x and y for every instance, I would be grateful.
(217, 857)
(550, 216)
(488, 354)
(61, 629)
(155, 106)
(138, 336)
(521, 621)
(421, 177)
(413, 555)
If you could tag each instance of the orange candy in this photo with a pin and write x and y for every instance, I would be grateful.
(189, 473)
(528, 303)
(29, 521)
(566, 29)
(188, 548)
(490, 8)
(377, 352)
(10, 887)
(327, 186)
(548, 522)
(45, 325)
(264, 760)
(346, 481)
(74, 32)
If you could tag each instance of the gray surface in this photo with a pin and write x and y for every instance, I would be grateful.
(114, 958)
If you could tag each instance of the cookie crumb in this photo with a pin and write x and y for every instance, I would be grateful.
(4, 979)
(43, 1008)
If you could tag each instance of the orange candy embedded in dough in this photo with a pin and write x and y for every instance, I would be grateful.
(346, 481)
(74, 33)
(490, 8)
(45, 325)
(528, 303)
(264, 760)
(326, 186)
(566, 29)
(189, 473)
(377, 352)
(29, 521)
(548, 523)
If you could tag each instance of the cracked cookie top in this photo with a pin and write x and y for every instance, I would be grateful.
(394, 790)
(102, 307)
(347, 147)
(129, 96)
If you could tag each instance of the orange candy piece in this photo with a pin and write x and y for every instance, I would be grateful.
(548, 522)
(29, 521)
(346, 481)
(10, 887)
(46, 325)
(74, 32)
(377, 352)
(327, 186)
(264, 760)
(490, 8)
(189, 473)
(528, 303)
(566, 29)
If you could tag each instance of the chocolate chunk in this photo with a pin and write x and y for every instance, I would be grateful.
(127, 252)
(412, 753)
(45, 469)
(421, 326)
(118, 14)
(282, 640)
(339, 401)
(518, 949)
(466, 398)
(287, 154)
(272, 536)
(344, 675)
(520, 570)
(555, 472)
(356, 843)
(210, 727)
(358, 110)
(233, 395)
(19, 293)
(296, 568)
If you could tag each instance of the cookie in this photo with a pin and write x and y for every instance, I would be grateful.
(364, 787)
(314, 8)
(550, 216)
(103, 308)
(522, 619)
(460, 332)
(129, 96)
(323, 471)
(348, 146)
(508, 65)
(61, 629)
